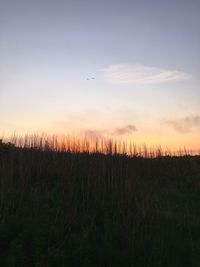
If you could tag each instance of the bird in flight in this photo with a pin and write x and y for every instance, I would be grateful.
(92, 78)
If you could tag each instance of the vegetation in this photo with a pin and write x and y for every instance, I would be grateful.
(66, 208)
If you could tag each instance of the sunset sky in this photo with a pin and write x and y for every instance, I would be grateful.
(124, 69)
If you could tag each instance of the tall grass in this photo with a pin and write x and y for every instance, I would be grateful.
(106, 146)
(60, 207)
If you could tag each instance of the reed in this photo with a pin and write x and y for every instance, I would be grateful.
(67, 202)
(86, 144)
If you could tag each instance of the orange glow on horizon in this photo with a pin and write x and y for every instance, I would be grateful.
(83, 143)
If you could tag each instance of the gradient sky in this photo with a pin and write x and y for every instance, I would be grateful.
(144, 56)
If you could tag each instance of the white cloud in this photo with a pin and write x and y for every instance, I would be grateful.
(139, 74)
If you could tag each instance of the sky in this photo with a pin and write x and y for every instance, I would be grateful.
(121, 69)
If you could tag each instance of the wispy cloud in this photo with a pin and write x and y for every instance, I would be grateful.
(125, 130)
(126, 74)
(184, 125)
(91, 133)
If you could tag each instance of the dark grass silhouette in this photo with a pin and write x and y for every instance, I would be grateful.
(61, 208)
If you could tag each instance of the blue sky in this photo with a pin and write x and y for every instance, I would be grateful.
(143, 54)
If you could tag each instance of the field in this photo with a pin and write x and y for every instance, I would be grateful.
(66, 208)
